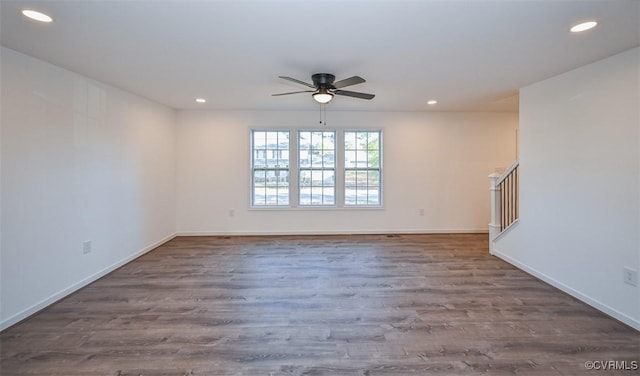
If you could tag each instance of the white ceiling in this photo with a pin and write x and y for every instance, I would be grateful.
(469, 55)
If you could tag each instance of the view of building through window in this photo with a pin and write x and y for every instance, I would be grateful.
(317, 169)
(270, 164)
(317, 176)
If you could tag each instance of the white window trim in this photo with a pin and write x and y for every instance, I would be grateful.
(335, 168)
(290, 169)
(381, 163)
(294, 171)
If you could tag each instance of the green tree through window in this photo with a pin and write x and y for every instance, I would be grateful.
(362, 168)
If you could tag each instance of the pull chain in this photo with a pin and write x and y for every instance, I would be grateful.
(323, 114)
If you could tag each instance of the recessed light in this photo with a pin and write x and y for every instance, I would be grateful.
(35, 15)
(583, 26)
(432, 102)
(201, 100)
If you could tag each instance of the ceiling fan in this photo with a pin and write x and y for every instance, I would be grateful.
(325, 87)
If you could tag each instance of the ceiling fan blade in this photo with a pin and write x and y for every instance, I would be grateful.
(348, 82)
(354, 94)
(297, 81)
(293, 92)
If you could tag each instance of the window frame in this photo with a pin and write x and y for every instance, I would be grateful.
(253, 168)
(294, 170)
(322, 168)
(345, 169)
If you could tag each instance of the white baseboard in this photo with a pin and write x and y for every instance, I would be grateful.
(333, 232)
(576, 294)
(76, 286)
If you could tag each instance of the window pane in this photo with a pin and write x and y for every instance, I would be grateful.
(283, 160)
(350, 191)
(373, 179)
(349, 158)
(349, 140)
(317, 163)
(270, 168)
(305, 195)
(373, 159)
(305, 158)
(328, 196)
(361, 179)
(259, 140)
(259, 188)
(316, 140)
(316, 178)
(373, 197)
(350, 196)
(304, 141)
(362, 184)
(372, 140)
(272, 140)
(328, 178)
(305, 178)
(328, 142)
(350, 178)
(361, 197)
(258, 158)
(283, 140)
(361, 140)
(316, 195)
(329, 159)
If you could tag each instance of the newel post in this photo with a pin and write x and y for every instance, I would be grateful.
(494, 226)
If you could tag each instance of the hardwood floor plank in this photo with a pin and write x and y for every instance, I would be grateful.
(317, 305)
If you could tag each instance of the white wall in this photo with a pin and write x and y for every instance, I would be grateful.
(80, 161)
(580, 191)
(435, 161)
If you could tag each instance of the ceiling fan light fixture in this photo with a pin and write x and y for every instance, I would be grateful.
(323, 96)
(325, 87)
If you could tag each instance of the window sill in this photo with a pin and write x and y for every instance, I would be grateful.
(314, 208)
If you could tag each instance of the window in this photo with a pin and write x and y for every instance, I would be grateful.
(270, 168)
(362, 168)
(317, 168)
(334, 169)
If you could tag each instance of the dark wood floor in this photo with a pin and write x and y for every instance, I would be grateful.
(321, 305)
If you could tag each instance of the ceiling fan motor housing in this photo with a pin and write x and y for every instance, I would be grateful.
(323, 80)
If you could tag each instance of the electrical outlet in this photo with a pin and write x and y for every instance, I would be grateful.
(232, 212)
(86, 247)
(422, 212)
(630, 276)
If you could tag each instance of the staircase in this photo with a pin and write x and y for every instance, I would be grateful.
(505, 211)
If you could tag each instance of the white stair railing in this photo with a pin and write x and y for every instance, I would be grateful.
(505, 201)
